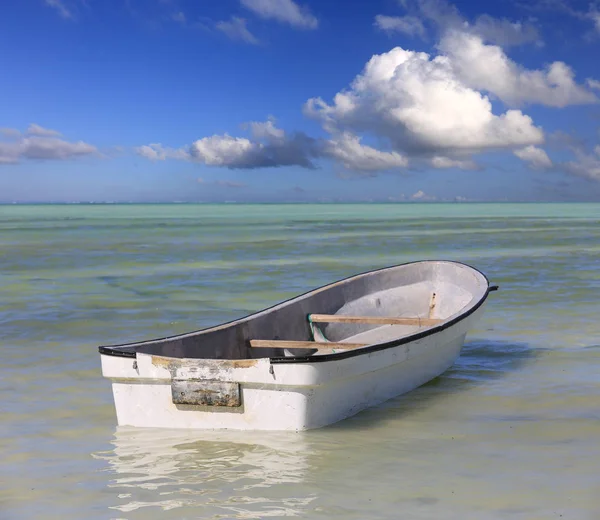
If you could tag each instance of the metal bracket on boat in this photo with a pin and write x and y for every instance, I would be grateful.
(205, 393)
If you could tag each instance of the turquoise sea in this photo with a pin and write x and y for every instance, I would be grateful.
(512, 431)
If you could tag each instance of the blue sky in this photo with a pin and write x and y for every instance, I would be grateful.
(282, 100)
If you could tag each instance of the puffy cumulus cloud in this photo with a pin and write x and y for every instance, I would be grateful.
(347, 149)
(265, 150)
(265, 130)
(224, 150)
(409, 25)
(269, 146)
(236, 29)
(534, 156)
(286, 11)
(487, 67)
(41, 144)
(423, 109)
(157, 152)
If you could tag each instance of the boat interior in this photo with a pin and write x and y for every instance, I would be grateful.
(371, 308)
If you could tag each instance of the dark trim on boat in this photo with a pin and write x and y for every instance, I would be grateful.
(128, 350)
(117, 351)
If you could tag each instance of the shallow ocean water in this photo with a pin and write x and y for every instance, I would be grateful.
(511, 431)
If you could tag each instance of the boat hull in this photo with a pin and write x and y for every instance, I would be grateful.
(278, 396)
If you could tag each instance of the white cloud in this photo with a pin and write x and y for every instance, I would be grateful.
(346, 148)
(224, 183)
(595, 17)
(585, 165)
(236, 29)
(423, 109)
(440, 161)
(421, 195)
(446, 16)
(536, 157)
(269, 147)
(266, 130)
(224, 150)
(157, 152)
(285, 11)
(486, 67)
(593, 83)
(54, 148)
(440, 12)
(409, 25)
(38, 130)
(504, 32)
(61, 8)
(567, 7)
(9, 153)
(39, 143)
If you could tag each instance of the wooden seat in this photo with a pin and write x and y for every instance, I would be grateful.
(282, 343)
(341, 318)
(372, 320)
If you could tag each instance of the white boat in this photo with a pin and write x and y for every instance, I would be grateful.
(307, 362)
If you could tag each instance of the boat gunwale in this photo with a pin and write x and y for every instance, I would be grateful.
(118, 350)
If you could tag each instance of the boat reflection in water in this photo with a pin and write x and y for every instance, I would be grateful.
(207, 474)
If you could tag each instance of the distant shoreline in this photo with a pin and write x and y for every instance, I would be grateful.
(292, 203)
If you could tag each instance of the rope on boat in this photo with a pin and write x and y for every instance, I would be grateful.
(317, 335)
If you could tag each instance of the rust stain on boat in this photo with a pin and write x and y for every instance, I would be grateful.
(239, 363)
(159, 361)
(171, 363)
